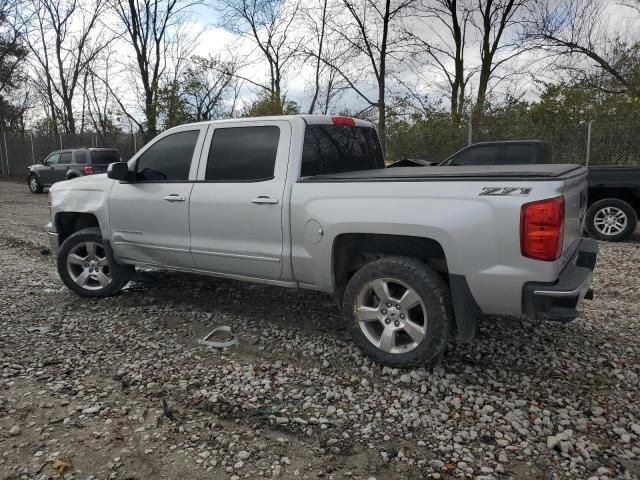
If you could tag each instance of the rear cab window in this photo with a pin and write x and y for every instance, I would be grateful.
(340, 148)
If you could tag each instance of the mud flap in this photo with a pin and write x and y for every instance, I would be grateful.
(466, 310)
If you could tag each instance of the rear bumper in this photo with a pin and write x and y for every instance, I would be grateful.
(558, 301)
(53, 238)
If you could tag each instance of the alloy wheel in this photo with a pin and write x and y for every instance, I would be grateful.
(391, 315)
(88, 266)
(610, 221)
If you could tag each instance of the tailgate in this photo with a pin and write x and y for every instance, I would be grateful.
(575, 207)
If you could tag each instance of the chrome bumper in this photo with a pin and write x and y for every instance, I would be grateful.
(558, 301)
(53, 239)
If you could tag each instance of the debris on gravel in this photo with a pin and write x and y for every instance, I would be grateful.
(121, 388)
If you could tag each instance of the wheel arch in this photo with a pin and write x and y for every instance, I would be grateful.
(626, 194)
(351, 251)
(67, 223)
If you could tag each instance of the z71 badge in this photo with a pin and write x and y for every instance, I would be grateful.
(506, 191)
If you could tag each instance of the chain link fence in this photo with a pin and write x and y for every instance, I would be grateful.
(18, 151)
(594, 143)
(588, 143)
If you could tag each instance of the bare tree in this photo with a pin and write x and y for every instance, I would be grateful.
(373, 30)
(150, 26)
(12, 51)
(101, 106)
(64, 40)
(440, 34)
(578, 29)
(268, 24)
(207, 84)
(496, 18)
(323, 49)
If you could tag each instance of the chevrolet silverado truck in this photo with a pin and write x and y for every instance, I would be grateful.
(613, 202)
(412, 255)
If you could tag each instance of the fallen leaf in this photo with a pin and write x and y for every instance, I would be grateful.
(62, 465)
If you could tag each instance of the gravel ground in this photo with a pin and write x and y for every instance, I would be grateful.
(82, 382)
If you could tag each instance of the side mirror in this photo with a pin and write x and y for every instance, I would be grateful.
(119, 171)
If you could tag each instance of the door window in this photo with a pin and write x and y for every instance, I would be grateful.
(52, 159)
(484, 155)
(519, 154)
(80, 156)
(169, 159)
(243, 154)
(65, 158)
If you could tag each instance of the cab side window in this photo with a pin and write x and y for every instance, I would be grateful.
(243, 154)
(169, 159)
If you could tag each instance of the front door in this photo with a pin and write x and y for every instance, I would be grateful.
(47, 172)
(149, 216)
(236, 205)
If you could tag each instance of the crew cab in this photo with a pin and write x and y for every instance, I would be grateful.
(412, 255)
(614, 191)
(68, 164)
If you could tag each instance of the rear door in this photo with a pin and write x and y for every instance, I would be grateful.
(60, 170)
(236, 206)
(149, 216)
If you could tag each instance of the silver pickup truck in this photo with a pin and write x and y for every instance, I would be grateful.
(413, 255)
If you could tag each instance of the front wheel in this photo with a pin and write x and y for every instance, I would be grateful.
(34, 184)
(611, 219)
(85, 267)
(398, 312)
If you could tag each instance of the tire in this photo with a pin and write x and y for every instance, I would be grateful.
(413, 336)
(611, 219)
(86, 268)
(34, 184)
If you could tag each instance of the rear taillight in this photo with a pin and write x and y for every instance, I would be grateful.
(88, 170)
(343, 121)
(542, 229)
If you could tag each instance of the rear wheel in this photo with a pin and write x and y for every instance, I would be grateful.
(86, 268)
(34, 184)
(397, 310)
(611, 219)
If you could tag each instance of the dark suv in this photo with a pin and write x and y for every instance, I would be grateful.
(70, 163)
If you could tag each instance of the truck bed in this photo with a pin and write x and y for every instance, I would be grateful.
(418, 174)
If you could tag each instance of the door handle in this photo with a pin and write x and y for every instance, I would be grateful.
(263, 199)
(174, 197)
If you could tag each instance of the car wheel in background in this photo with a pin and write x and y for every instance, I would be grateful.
(611, 219)
(86, 268)
(34, 184)
(398, 312)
